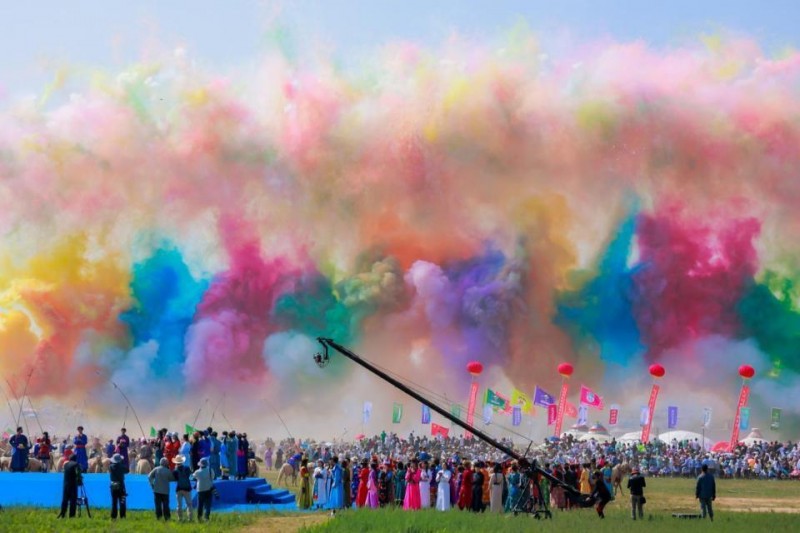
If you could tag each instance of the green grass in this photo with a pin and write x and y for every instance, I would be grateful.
(32, 519)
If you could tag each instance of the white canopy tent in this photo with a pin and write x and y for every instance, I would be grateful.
(631, 437)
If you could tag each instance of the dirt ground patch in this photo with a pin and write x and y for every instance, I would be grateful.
(285, 524)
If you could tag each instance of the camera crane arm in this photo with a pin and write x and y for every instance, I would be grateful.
(321, 359)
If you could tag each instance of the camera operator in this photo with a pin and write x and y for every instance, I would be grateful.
(116, 472)
(72, 480)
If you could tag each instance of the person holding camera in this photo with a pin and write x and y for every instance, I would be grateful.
(160, 478)
(205, 487)
(116, 472)
(636, 485)
(72, 480)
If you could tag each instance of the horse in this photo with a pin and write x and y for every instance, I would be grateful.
(99, 465)
(617, 474)
(143, 466)
(287, 471)
(252, 468)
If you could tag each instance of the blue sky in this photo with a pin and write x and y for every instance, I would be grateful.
(37, 36)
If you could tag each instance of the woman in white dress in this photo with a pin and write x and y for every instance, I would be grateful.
(443, 492)
(424, 485)
(320, 485)
(496, 490)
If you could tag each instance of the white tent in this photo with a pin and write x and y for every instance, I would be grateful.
(755, 437)
(633, 436)
(680, 435)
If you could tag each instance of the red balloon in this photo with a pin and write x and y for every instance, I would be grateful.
(565, 369)
(747, 371)
(475, 368)
(657, 371)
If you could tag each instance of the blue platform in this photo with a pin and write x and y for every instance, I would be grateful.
(44, 490)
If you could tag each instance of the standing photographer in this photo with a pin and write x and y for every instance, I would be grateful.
(205, 486)
(116, 472)
(72, 479)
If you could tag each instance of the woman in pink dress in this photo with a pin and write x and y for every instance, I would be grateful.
(372, 487)
(412, 500)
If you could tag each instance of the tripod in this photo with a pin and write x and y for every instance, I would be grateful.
(83, 500)
(531, 500)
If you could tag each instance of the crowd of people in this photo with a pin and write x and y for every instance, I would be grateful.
(413, 473)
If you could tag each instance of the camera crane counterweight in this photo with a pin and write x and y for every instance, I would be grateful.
(531, 468)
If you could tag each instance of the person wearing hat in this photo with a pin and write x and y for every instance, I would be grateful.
(19, 451)
(160, 478)
(116, 472)
(205, 486)
(636, 485)
(123, 443)
(80, 441)
(183, 488)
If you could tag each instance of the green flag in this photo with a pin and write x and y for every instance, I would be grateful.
(494, 399)
(397, 413)
(188, 429)
(152, 432)
(776, 419)
(455, 410)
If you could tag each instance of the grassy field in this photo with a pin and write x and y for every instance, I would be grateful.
(740, 506)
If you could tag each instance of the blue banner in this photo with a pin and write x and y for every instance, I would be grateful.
(744, 420)
(672, 417)
(644, 416)
(542, 398)
(516, 416)
(426, 414)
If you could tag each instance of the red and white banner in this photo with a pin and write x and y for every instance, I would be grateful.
(473, 399)
(552, 414)
(744, 395)
(570, 410)
(613, 415)
(588, 397)
(651, 407)
(437, 430)
(562, 405)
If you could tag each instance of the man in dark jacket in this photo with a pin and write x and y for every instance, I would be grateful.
(706, 492)
(72, 478)
(636, 485)
(600, 495)
(116, 472)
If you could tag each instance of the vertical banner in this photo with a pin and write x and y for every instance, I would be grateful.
(397, 413)
(473, 399)
(516, 415)
(651, 409)
(562, 405)
(744, 421)
(744, 395)
(426, 414)
(487, 414)
(613, 415)
(775, 417)
(644, 416)
(583, 415)
(367, 412)
(552, 414)
(706, 416)
(672, 417)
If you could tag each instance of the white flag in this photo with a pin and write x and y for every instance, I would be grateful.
(367, 413)
(644, 415)
(706, 416)
(583, 415)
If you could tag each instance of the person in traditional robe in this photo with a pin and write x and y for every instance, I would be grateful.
(19, 451)
(443, 478)
(557, 497)
(486, 487)
(424, 485)
(399, 484)
(304, 501)
(514, 490)
(110, 449)
(585, 486)
(496, 482)
(241, 456)
(355, 481)
(268, 458)
(172, 449)
(214, 454)
(205, 444)
(411, 501)
(336, 496)
(477, 489)
(465, 490)
(233, 449)
(45, 450)
(455, 484)
(320, 485)
(223, 455)
(158, 446)
(194, 450)
(123, 443)
(347, 483)
(373, 502)
(80, 441)
(363, 480)
(279, 458)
